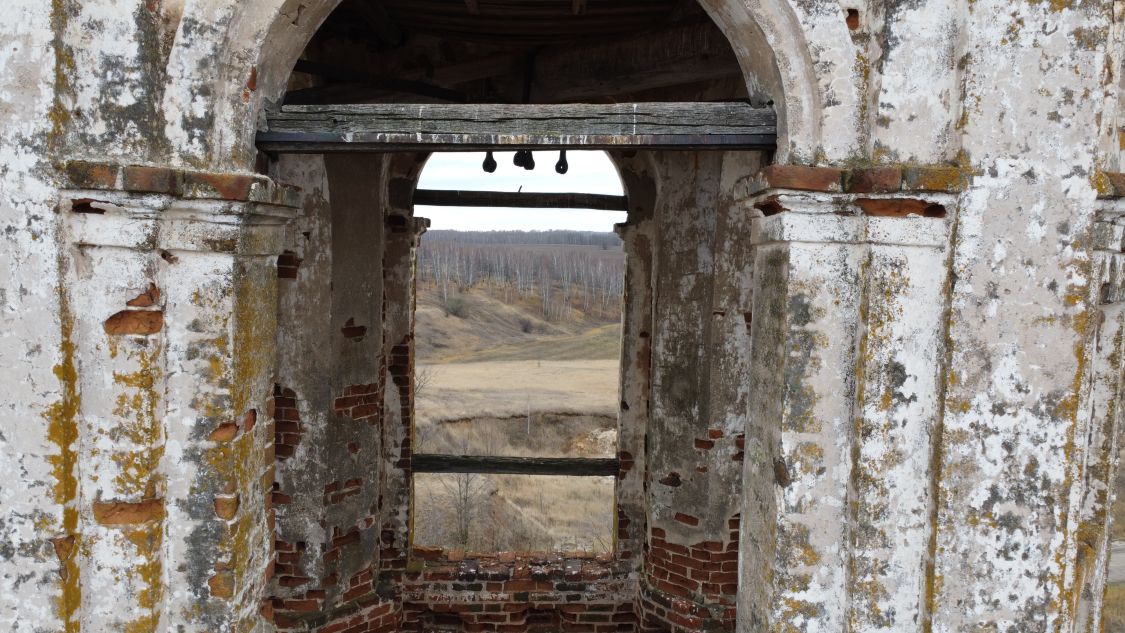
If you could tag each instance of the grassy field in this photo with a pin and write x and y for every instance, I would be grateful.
(541, 434)
(500, 389)
(492, 329)
(498, 380)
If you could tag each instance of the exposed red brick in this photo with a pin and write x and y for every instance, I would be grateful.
(353, 331)
(225, 432)
(900, 207)
(152, 180)
(686, 519)
(227, 507)
(803, 178)
(146, 299)
(115, 513)
(218, 185)
(288, 264)
(138, 322)
(875, 180)
(88, 175)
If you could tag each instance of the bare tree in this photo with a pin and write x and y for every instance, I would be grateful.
(464, 493)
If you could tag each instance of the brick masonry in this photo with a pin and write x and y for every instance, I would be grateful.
(516, 593)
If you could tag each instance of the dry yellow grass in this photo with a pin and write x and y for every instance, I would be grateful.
(481, 408)
(1114, 612)
(507, 388)
(514, 512)
(538, 435)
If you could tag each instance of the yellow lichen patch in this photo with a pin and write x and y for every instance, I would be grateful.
(62, 431)
(147, 574)
(1101, 183)
(239, 462)
(140, 424)
(808, 457)
(65, 66)
(794, 608)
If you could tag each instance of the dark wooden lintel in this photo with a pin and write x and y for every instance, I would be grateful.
(509, 199)
(490, 465)
(448, 127)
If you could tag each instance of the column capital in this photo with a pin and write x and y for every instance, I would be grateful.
(849, 218)
(147, 221)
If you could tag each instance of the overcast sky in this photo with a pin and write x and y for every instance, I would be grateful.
(590, 172)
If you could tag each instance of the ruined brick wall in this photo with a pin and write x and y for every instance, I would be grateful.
(699, 393)
(516, 592)
(328, 396)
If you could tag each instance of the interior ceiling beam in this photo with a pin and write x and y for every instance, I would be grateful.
(448, 127)
(519, 200)
(686, 53)
(571, 466)
(375, 16)
(379, 82)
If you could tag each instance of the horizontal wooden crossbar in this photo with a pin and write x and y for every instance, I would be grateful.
(510, 199)
(571, 466)
(456, 127)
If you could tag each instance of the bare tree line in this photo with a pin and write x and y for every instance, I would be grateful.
(577, 276)
(608, 241)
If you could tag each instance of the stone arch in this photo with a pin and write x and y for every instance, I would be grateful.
(222, 84)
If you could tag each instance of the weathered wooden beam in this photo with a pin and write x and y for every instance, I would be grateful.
(441, 127)
(569, 466)
(381, 82)
(521, 200)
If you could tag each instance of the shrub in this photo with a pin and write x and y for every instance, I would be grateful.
(457, 306)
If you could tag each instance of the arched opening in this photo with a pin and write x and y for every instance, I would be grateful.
(517, 353)
(345, 541)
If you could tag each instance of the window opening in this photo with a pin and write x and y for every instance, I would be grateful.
(517, 336)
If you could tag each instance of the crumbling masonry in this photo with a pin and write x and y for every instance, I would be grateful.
(870, 380)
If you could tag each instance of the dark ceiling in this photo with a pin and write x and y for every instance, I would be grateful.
(529, 21)
(516, 51)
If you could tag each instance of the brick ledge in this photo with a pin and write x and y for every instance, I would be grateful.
(885, 179)
(182, 183)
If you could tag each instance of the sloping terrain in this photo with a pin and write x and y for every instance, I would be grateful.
(496, 378)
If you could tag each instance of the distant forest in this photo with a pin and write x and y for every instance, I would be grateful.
(570, 238)
(566, 274)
